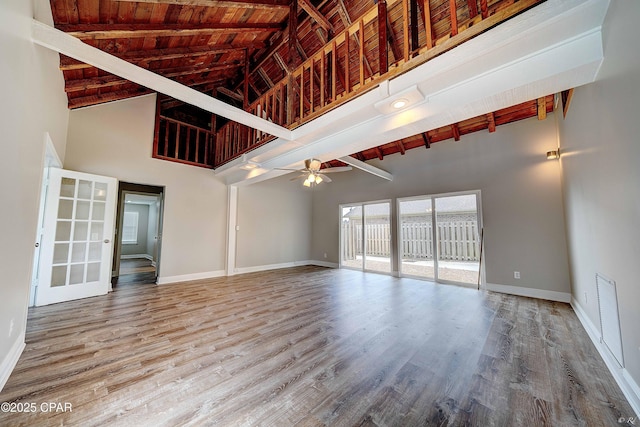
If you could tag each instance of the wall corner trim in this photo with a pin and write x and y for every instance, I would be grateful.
(11, 359)
(530, 292)
(627, 384)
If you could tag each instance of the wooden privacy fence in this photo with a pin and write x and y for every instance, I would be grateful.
(457, 240)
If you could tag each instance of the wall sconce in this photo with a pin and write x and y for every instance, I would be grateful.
(553, 154)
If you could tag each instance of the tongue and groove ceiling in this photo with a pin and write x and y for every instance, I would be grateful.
(237, 50)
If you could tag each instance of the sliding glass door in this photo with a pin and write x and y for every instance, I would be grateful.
(439, 237)
(416, 237)
(365, 236)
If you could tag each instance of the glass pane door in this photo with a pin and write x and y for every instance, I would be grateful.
(76, 244)
(416, 238)
(377, 239)
(351, 235)
(458, 238)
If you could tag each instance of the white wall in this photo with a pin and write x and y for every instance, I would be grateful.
(33, 102)
(600, 141)
(275, 223)
(521, 198)
(116, 139)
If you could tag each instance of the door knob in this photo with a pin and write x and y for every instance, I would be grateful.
(107, 240)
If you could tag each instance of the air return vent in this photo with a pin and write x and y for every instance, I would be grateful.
(609, 318)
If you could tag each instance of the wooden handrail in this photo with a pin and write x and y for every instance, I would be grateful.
(325, 80)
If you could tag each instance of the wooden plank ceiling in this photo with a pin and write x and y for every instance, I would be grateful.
(236, 50)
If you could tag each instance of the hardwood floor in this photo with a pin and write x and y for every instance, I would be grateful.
(135, 271)
(310, 346)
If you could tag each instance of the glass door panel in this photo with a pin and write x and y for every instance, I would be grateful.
(76, 244)
(416, 238)
(458, 238)
(377, 238)
(351, 235)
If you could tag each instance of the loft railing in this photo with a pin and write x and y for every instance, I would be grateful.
(389, 39)
(183, 143)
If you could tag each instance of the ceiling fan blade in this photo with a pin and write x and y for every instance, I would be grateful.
(336, 169)
(299, 177)
(324, 177)
(290, 170)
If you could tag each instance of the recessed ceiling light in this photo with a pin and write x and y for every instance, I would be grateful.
(399, 103)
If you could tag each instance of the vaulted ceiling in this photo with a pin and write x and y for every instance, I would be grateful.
(240, 50)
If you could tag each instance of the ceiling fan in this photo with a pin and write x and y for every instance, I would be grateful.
(312, 174)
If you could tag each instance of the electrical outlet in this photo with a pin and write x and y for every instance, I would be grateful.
(586, 298)
(325, 255)
(11, 325)
(516, 274)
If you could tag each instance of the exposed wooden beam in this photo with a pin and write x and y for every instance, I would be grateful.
(391, 39)
(127, 31)
(484, 9)
(293, 32)
(366, 167)
(491, 122)
(236, 4)
(281, 62)
(147, 56)
(107, 97)
(542, 108)
(379, 153)
(400, 145)
(413, 12)
(473, 8)
(245, 90)
(231, 94)
(51, 38)
(280, 41)
(454, 17)
(315, 14)
(265, 77)
(428, 27)
(111, 80)
(426, 139)
(456, 131)
(383, 51)
(566, 96)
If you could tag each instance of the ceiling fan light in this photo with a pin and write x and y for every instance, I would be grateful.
(318, 179)
(311, 178)
(306, 184)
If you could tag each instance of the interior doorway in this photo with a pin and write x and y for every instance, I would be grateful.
(138, 234)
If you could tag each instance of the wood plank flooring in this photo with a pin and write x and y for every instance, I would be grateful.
(310, 346)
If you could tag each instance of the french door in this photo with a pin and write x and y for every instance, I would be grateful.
(439, 237)
(76, 244)
(366, 236)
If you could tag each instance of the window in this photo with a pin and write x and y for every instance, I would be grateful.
(130, 228)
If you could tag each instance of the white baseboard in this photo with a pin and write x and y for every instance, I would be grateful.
(164, 280)
(530, 292)
(324, 264)
(255, 269)
(133, 256)
(11, 359)
(627, 384)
